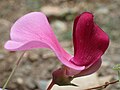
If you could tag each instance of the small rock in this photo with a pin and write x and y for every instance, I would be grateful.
(30, 83)
(43, 84)
(59, 26)
(57, 11)
(26, 69)
(48, 54)
(33, 57)
(2, 56)
(50, 10)
(5, 22)
(19, 80)
(102, 10)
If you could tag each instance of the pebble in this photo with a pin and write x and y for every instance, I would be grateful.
(30, 83)
(19, 80)
(102, 10)
(43, 84)
(2, 56)
(57, 11)
(59, 26)
(33, 57)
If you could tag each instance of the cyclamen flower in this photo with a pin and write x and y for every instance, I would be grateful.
(90, 43)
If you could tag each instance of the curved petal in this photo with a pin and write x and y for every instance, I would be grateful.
(87, 71)
(90, 41)
(91, 69)
(33, 31)
(16, 46)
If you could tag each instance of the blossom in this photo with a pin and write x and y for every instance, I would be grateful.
(90, 42)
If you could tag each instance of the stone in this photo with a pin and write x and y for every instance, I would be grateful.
(50, 10)
(33, 57)
(19, 80)
(48, 54)
(30, 83)
(43, 84)
(59, 26)
(57, 11)
(2, 56)
(82, 82)
(102, 10)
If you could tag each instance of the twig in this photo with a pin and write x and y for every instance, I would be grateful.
(103, 86)
(14, 69)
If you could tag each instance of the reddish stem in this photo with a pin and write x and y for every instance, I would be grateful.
(50, 86)
(103, 86)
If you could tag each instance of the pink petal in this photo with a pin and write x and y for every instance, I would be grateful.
(90, 41)
(16, 46)
(33, 31)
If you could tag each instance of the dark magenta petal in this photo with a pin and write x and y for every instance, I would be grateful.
(90, 41)
(93, 68)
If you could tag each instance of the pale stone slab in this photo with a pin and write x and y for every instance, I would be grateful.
(82, 82)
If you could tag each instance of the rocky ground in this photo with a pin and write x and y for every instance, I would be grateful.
(37, 65)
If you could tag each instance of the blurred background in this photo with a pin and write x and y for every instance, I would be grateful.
(35, 70)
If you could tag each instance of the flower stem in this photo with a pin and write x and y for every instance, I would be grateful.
(50, 86)
(14, 69)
